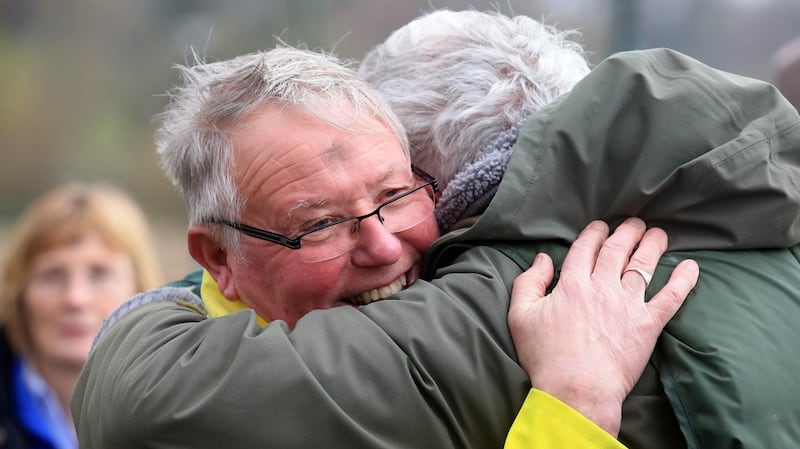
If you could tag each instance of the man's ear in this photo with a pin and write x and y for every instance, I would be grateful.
(207, 251)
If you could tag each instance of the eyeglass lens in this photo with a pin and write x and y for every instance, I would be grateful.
(397, 216)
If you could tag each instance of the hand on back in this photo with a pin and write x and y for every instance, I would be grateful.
(588, 341)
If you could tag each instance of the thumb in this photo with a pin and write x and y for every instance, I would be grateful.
(531, 285)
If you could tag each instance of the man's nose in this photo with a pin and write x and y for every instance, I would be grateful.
(375, 244)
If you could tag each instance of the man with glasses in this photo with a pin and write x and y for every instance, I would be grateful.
(291, 142)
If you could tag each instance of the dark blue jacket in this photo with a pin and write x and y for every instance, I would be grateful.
(11, 434)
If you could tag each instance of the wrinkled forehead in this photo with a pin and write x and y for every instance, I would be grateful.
(284, 134)
(281, 151)
(340, 187)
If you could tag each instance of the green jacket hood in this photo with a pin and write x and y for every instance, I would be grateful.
(711, 157)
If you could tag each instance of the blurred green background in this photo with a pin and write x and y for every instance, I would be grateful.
(80, 80)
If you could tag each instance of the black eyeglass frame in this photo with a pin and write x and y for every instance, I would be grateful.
(294, 243)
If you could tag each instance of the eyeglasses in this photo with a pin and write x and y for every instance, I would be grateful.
(332, 240)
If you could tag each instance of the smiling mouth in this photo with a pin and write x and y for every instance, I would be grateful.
(379, 293)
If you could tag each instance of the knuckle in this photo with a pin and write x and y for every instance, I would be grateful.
(669, 298)
(616, 244)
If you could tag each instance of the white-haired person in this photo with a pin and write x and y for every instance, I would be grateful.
(526, 152)
(302, 199)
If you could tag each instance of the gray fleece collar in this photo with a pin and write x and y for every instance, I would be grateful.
(472, 189)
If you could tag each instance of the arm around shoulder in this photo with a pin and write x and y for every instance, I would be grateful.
(379, 376)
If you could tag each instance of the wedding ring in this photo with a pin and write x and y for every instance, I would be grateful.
(645, 275)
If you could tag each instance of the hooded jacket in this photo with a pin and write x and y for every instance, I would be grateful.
(713, 159)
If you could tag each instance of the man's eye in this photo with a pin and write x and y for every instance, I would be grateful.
(389, 194)
(316, 224)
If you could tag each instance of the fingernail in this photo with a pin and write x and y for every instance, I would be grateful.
(538, 259)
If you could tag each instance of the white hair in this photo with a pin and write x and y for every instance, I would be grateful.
(459, 79)
(214, 98)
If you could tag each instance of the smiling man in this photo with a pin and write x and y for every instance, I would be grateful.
(312, 194)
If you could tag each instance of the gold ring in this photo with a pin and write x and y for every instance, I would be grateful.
(645, 275)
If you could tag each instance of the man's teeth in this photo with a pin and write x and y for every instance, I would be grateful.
(382, 292)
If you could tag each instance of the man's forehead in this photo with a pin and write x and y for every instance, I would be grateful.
(337, 153)
(369, 182)
(337, 147)
(311, 162)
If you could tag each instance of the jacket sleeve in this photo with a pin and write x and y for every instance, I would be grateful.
(546, 422)
(436, 369)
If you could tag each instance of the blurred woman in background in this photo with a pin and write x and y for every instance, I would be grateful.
(75, 255)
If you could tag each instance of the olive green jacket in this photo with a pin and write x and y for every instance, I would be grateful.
(438, 368)
(714, 159)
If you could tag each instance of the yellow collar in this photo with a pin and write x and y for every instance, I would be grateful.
(217, 304)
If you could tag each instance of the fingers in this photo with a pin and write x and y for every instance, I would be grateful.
(580, 260)
(668, 300)
(617, 249)
(646, 257)
(529, 288)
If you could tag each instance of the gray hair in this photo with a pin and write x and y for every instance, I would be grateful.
(457, 80)
(214, 98)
